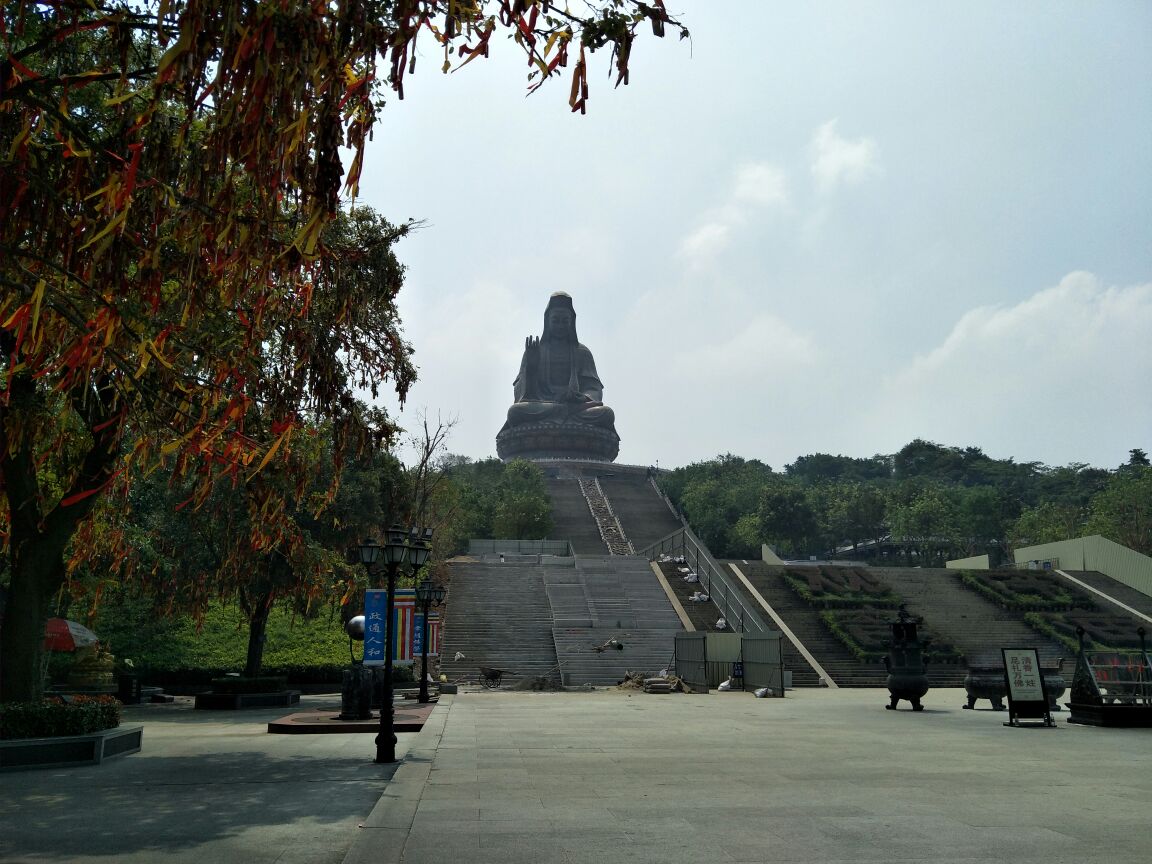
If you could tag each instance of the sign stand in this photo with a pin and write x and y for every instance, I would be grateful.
(1027, 695)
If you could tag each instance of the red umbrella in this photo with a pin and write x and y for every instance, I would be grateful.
(61, 634)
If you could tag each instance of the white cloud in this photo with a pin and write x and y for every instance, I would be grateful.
(766, 345)
(837, 161)
(761, 184)
(755, 186)
(706, 242)
(1071, 361)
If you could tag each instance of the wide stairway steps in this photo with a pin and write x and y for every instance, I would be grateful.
(498, 615)
(977, 627)
(642, 511)
(804, 621)
(571, 518)
(622, 601)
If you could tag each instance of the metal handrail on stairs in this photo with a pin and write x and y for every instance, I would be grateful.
(740, 617)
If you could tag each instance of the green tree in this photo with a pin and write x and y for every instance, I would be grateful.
(786, 518)
(167, 173)
(856, 512)
(1047, 522)
(522, 511)
(1122, 512)
(821, 467)
(927, 522)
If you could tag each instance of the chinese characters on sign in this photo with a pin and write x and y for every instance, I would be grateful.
(407, 627)
(1027, 698)
(1023, 675)
(375, 608)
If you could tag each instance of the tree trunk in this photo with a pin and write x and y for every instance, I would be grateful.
(37, 574)
(257, 626)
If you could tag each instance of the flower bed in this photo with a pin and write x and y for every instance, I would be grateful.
(61, 731)
(1102, 631)
(840, 588)
(1026, 590)
(55, 716)
(867, 634)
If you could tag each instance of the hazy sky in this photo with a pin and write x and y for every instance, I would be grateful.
(817, 227)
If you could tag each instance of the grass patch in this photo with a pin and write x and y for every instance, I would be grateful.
(172, 650)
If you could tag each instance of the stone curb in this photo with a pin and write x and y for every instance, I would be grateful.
(381, 836)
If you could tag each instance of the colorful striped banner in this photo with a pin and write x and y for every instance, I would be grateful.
(407, 625)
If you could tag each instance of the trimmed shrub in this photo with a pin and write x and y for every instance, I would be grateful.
(866, 633)
(1025, 590)
(55, 716)
(836, 588)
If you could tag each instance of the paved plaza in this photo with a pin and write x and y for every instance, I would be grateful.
(606, 776)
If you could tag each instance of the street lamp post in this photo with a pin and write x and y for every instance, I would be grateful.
(400, 546)
(427, 595)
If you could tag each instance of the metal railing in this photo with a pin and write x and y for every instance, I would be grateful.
(716, 583)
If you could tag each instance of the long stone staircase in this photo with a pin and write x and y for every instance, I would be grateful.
(977, 627)
(499, 616)
(557, 617)
(642, 511)
(571, 518)
(804, 621)
(625, 606)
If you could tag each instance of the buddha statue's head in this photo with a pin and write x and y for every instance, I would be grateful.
(559, 319)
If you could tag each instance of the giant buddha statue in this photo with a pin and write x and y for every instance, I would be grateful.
(559, 412)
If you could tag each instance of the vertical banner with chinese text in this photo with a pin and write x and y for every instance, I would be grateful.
(375, 610)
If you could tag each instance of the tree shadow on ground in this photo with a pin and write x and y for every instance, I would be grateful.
(170, 803)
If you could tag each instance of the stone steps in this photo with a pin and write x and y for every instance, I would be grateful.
(804, 621)
(642, 512)
(498, 615)
(571, 518)
(975, 626)
(545, 618)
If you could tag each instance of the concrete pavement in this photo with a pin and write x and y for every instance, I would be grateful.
(211, 787)
(822, 775)
(606, 776)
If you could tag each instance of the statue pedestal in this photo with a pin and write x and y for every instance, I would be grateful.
(557, 441)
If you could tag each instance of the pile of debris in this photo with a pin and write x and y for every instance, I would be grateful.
(539, 684)
(649, 683)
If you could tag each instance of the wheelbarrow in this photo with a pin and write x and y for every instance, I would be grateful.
(490, 677)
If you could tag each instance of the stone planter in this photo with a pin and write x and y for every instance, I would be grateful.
(21, 754)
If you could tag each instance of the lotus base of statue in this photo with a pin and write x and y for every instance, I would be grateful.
(545, 440)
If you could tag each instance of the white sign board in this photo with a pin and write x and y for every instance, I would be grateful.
(1023, 672)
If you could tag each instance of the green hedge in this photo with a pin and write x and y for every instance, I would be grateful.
(173, 651)
(828, 600)
(53, 717)
(867, 637)
(1040, 595)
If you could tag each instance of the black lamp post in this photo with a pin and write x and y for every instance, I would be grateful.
(427, 595)
(399, 546)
